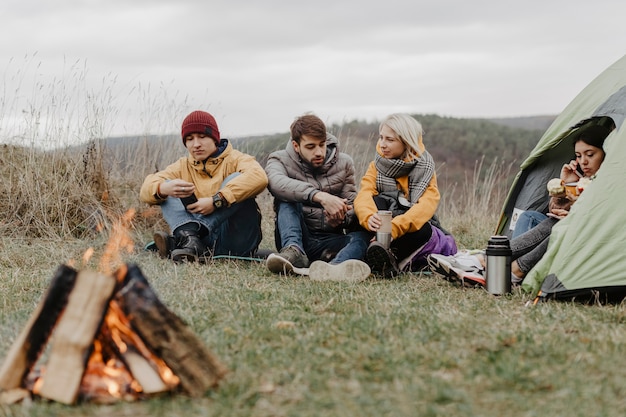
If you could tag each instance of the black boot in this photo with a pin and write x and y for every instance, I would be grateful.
(189, 246)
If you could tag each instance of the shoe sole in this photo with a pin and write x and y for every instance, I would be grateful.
(351, 271)
(454, 275)
(378, 259)
(279, 265)
(179, 255)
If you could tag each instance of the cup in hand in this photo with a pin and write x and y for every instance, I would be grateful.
(383, 235)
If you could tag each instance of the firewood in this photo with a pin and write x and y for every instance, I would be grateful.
(74, 335)
(144, 373)
(30, 343)
(168, 336)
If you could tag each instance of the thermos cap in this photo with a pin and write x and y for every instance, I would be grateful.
(499, 241)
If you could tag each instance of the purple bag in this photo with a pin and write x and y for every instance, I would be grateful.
(439, 243)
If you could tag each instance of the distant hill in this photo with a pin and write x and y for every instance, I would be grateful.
(531, 122)
(457, 145)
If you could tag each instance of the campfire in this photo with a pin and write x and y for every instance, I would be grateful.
(105, 337)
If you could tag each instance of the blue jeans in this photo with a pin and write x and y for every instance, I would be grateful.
(291, 230)
(530, 247)
(233, 230)
(526, 221)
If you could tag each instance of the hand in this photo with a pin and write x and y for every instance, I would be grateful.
(203, 206)
(374, 222)
(334, 222)
(559, 212)
(177, 188)
(569, 172)
(335, 208)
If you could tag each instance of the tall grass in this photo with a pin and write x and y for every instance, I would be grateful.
(57, 178)
(471, 209)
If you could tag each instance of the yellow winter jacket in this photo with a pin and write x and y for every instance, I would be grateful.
(411, 221)
(207, 176)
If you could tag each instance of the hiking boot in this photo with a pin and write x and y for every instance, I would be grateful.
(189, 247)
(351, 271)
(286, 260)
(463, 268)
(164, 244)
(382, 260)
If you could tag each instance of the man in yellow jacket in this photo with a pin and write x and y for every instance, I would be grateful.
(208, 197)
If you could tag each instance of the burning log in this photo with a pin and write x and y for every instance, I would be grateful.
(168, 336)
(112, 338)
(29, 344)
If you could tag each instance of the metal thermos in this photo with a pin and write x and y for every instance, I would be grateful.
(498, 267)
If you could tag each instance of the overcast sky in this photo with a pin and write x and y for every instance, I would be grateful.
(142, 65)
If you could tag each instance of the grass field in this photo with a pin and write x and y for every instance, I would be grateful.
(413, 346)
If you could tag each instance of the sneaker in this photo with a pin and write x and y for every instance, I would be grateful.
(351, 271)
(164, 244)
(382, 260)
(463, 268)
(287, 261)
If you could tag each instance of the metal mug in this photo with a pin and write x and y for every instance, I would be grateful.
(383, 234)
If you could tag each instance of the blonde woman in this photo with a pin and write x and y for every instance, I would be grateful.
(402, 179)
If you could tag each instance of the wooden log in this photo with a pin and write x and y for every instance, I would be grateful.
(144, 373)
(167, 336)
(27, 348)
(74, 335)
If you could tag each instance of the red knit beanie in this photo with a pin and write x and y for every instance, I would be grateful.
(200, 122)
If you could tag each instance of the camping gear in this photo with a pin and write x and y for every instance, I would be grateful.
(498, 265)
(584, 258)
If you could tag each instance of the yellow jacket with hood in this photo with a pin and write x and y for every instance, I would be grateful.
(414, 218)
(208, 175)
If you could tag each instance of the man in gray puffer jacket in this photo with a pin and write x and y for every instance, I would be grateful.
(314, 187)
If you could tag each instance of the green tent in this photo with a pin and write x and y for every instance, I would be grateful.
(585, 257)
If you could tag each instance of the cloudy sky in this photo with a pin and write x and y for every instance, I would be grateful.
(140, 66)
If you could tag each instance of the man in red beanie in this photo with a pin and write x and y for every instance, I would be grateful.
(200, 195)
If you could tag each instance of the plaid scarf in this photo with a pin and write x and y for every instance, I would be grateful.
(420, 172)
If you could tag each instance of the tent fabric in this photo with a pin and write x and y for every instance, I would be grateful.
(585, 251)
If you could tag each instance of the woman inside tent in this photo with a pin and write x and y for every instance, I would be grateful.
(529, 247)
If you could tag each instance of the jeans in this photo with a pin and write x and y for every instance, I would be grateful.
(526, 221)
(292, 231)
(530, 247)
(233, 230)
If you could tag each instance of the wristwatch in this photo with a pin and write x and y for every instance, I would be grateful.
(218, 201)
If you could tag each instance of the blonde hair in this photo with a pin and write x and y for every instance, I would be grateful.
(409, 131)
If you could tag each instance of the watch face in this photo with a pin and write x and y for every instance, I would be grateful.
(217, 202)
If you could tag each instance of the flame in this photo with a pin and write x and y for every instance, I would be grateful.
(107, 378)
(123, 335)
(120, 239)
(106, 381)
(87, 255)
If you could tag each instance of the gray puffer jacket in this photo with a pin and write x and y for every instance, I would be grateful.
(292, 179)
